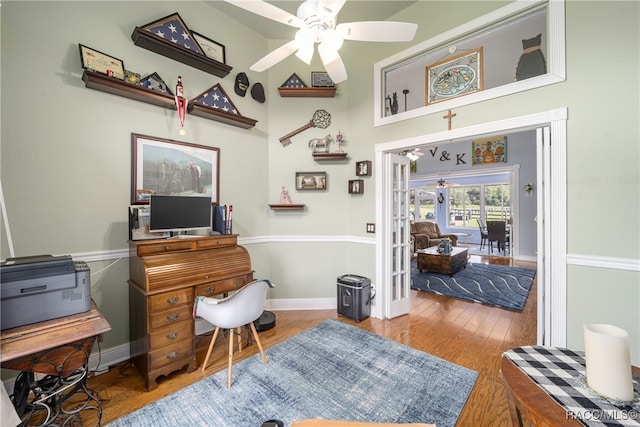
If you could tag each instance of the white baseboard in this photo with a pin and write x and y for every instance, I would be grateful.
(302, 304)
(100, 359)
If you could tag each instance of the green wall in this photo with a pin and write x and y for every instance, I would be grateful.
(66, 162)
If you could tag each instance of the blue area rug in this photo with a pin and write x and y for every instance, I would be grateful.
(331, 371)
(495, 285)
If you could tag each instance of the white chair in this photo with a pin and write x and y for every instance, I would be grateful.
(239, 309)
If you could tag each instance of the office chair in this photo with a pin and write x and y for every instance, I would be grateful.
(233, 312)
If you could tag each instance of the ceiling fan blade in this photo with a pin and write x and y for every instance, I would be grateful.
(269, 11)
(378, 31)
(335, 69)
(274, 57)
(332, 6)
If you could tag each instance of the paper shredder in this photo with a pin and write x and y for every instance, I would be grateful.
(354, 297)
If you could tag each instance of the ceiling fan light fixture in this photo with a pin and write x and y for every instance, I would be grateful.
(332, 39)
(305, 55)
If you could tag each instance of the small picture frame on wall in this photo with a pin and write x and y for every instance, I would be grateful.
(311, 180)
(363, 168)
(489, 150)
(321, 79)
(101, 62)
(356, 186)
(212, 49)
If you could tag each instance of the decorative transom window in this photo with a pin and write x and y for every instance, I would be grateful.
(515, 48)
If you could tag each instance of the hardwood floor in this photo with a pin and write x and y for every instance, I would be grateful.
(468, 334)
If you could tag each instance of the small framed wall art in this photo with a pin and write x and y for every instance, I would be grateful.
(489, 150)
(210, 48)
(356, 186)
(453, 77)
(311, 180)
(321, 79)
(363, 168)
(101, 62)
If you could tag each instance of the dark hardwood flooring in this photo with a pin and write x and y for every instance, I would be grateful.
(468, 334)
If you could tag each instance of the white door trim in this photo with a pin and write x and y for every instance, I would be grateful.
(555, 324)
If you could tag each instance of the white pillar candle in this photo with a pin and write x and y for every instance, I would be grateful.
(608, 361)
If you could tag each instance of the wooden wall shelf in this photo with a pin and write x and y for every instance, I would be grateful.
(329, 156)
(221, 116)
(289, 207)
(154, 43)
(307, 92)
(118, 87)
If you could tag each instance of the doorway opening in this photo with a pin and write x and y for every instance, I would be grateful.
(550, 214)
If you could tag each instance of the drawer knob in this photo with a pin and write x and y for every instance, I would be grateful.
(166, 248)
(239, 282)
(172, 335)
(209, 290)
(172, 355)
(206, 276)
(173, 317)
(173, 300)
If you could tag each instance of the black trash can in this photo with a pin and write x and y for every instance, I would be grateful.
(354, 297)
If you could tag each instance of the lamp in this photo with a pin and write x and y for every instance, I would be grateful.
(440, 198)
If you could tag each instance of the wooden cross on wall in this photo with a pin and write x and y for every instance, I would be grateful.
(449, 116)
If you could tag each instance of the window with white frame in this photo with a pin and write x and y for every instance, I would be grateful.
(469, 203)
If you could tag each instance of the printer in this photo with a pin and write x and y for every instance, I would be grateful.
(42, 287)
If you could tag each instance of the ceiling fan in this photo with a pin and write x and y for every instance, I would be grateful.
(316, 23)
(441, 183)
(413, 154)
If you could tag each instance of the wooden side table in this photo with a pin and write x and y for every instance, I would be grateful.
(530, 405)
(52, 357)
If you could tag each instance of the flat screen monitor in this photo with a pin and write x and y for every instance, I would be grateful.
(179, 213)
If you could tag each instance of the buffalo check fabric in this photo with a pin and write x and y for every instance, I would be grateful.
(560, 372)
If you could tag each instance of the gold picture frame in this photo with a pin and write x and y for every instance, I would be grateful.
(454, 77)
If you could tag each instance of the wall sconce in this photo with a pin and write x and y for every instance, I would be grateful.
(528, 189)
(440, 198)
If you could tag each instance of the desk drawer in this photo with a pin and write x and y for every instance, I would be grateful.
(170, 317)
(165, 246)
(223, 286)
(170, 300)
(171, 353)
(170, 334)
(217, 241)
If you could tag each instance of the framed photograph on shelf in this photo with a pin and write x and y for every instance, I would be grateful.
(321, 79)
(212, 49)
(456, 76)
(363, 168)
(167, 167)
(95, 60)
(356, 186)
(311, 180)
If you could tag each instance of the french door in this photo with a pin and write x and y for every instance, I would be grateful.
(398, 258)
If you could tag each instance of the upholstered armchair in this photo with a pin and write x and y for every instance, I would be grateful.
(427, 234)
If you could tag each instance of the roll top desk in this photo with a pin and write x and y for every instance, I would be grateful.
(165, 276)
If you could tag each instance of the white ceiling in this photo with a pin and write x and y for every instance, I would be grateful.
(352, 11)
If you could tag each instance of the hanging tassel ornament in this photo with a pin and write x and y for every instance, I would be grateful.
(181, 104)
